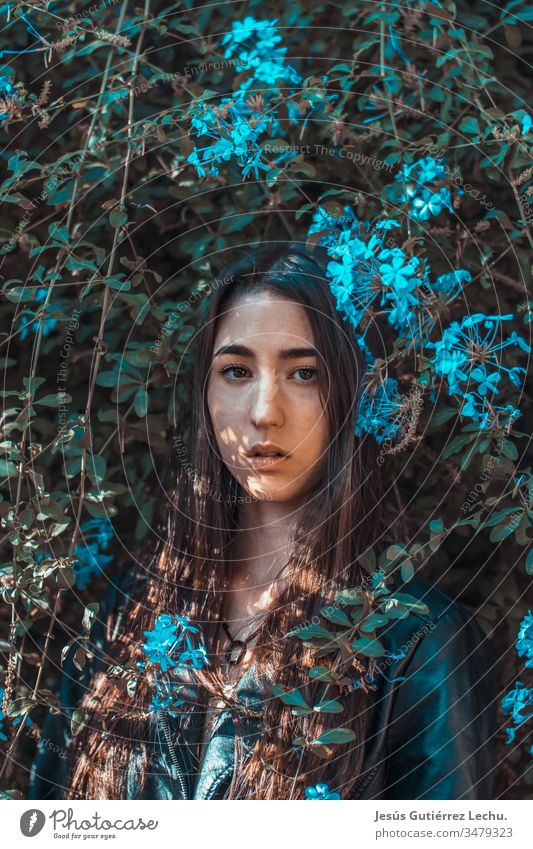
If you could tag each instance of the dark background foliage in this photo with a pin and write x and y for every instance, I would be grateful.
(109, 237)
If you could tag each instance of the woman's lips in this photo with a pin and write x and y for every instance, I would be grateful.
(261, 462)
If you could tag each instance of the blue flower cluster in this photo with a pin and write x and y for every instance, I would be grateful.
(518, 702)
(426, 200)
(320, 791)
(237, 124)
(29, 324)
(379, 413)
(89, 557)
(524, 642)
(370, 276)
(468, 357)
(255, 43)
(514, 704)
(169, 646)
(236, 130)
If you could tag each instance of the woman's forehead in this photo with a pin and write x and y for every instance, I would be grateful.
(264, 318)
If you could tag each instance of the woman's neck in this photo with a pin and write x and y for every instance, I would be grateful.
(259, 550)
(262, 541)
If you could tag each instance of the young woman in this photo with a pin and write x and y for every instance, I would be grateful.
(267, 505)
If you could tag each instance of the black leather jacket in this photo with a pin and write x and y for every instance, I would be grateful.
(432, 721)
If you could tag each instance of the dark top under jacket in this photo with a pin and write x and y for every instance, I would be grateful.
(432, 720)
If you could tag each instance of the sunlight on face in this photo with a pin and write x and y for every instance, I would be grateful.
(263, 388)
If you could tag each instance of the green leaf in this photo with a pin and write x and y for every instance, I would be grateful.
(54, 400)
(375, 620)
(60, 234)
(369, 647)
(368, 560)
(96, 468)
(510, 450)
(140, 403)
(293, 698)
(118, 216)
(333, 614)
(19, 706)
(505, 529)
(90, 612)
(470, 125)
(336, 735)
(529, 562)
(410, 602)
(350, 597)
(320, 673)
(108, 378)
(311, 632)
(79, 720)
(407, 570)
(497, 517)
(7, 469)
(444, 414)
(329, 706)
(32, 383)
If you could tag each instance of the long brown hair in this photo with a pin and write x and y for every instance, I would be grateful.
(188, 572)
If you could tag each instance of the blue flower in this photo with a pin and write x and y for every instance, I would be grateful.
(235, 126)
(165, 703)
(164, 644)
(197, 657)
(332, 225)
(235, 135)
(160, 642)
(423, 171)
(341, 272)
(452, 283)
(486, 382)
(417, 188)
(464, 354)
(264, 32)
(511, 733)
(320, 791)
(255, 42)
(517, 375)
(429, 203)
(378, 412)
(527, 123)
(397, 273)
(524, 643)
(516, 701)
(29, 322)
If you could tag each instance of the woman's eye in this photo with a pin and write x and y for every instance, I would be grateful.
(230, 372)
(234, 372)
(308, 372)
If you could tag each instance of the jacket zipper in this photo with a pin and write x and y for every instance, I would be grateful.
(175, 760)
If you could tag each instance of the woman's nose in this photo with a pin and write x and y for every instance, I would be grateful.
(267, 400)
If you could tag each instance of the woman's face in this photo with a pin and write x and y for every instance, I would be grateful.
(263, 388)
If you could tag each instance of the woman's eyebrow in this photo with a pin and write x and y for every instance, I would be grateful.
(284, 353)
